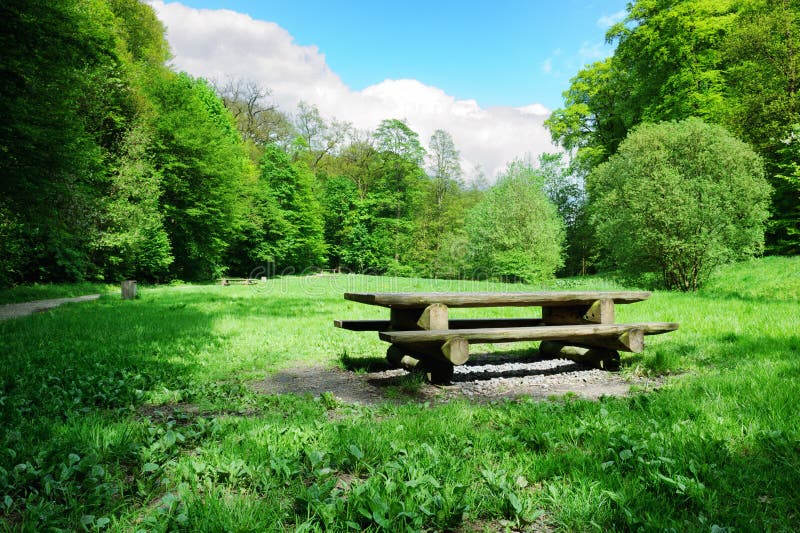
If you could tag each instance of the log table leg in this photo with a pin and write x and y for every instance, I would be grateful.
(434, 316)
(601, 354)
(397, 358)
(404, 319)
(436, 371)
(435, 359)
(602, 358)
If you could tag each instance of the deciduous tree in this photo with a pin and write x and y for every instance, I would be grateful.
(515, 232)
(679, 199)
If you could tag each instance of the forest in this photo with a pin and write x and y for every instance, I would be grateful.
(115, 166)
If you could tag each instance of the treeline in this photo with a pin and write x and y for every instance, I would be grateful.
(114, 166)
(734, 63)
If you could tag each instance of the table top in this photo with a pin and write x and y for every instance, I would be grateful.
(414, 300)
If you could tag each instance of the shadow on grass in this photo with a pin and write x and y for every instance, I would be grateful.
(70, 382)
(243, 305)
(363, 364)
(99, 355)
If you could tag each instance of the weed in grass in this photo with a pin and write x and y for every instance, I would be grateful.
(329, 400)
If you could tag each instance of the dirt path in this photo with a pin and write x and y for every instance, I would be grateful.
(484, 378)
(28, 308)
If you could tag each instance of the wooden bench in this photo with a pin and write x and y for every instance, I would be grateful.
(237, 281)
(575, 325)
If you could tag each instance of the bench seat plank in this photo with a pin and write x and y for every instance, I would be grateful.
(460, 323)
(413, 300)
(492, 335)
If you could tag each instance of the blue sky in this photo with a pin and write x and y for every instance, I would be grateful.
(509, 53)
(488, 74)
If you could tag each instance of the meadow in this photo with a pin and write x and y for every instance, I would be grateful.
(141, 415)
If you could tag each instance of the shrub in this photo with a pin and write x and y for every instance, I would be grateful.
(679, 199)
(515, 231)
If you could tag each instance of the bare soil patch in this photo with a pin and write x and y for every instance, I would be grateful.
(485, 378)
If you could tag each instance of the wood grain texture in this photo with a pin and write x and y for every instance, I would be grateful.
(420, 300)
(460, 323)
(456, 350)
(655, 328)
(630, 341)
(491, 335)
(434, 317)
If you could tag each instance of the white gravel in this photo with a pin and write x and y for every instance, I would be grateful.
(486, 377)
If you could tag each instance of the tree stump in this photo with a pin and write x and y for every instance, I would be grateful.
(129, 290)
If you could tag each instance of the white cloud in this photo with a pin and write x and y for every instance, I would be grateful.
(606, 21)
(218, 44)
(547, 66)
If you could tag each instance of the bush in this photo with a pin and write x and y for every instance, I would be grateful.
(515, 232)
(679, 199)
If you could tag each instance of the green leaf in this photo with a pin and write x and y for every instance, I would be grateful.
(356, 451)
(515, 503)
(169, 439)
(381, 520)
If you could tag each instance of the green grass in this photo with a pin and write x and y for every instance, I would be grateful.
(772, 278)
(137, 415)
(27, 293)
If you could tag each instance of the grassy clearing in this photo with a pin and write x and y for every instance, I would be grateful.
(137, 415)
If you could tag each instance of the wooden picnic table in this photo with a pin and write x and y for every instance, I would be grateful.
(238, 281)
(579, 325)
